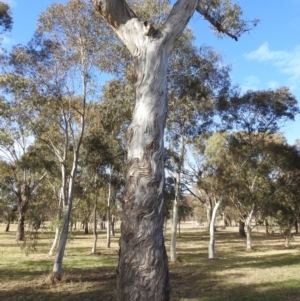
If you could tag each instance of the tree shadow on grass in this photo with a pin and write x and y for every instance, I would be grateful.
(77, 284)
(204, 281)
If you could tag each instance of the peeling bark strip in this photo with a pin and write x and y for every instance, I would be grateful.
(143, 265)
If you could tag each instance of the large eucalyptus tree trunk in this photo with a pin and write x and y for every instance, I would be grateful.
(143, 267)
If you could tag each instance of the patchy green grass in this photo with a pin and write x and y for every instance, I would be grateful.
(268, 273)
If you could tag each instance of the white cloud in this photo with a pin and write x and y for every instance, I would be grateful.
(287, 62)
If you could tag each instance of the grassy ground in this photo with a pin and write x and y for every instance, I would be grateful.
(268, 273)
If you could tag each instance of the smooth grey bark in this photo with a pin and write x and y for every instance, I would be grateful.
(211, 245)
(95, 227)
(173, 256)
(143, 268)
(108, 229)
(57, 228)
(209, 211)
(67, 201)
(249, 230)
(55, 241)
(68, 179)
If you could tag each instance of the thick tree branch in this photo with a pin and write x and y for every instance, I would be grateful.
(123, 21)
(178, 19)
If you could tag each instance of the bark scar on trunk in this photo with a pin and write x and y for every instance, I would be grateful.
(151, 31)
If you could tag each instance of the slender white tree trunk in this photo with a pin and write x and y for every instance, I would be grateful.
(55, 241)
(209, 210)
(67, 202)
(108, 229)
(211, 245)
(95, 227)
(249, 230)
(57, 268)
(68, 179)
(173, 256)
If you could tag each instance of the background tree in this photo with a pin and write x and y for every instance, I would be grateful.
(195, 79)
(255, 118)
(60, 63)
(20, 173)
(6, 21)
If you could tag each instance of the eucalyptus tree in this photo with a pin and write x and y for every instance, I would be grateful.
(8, 205)
(116, 107)
(214, 181)
(285, 173)
(103, 145)
(252, 119)
(60, 63)
(195, 78)
(142, 204)
(5, 17)
(20, 174)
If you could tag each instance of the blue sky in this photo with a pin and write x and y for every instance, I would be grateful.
(265, 58)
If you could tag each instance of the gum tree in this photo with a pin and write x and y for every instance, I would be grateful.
(143, 269)
(254, 118)
(59, 65)
(196, 77)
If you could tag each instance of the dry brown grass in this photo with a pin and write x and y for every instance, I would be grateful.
(268, 273)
